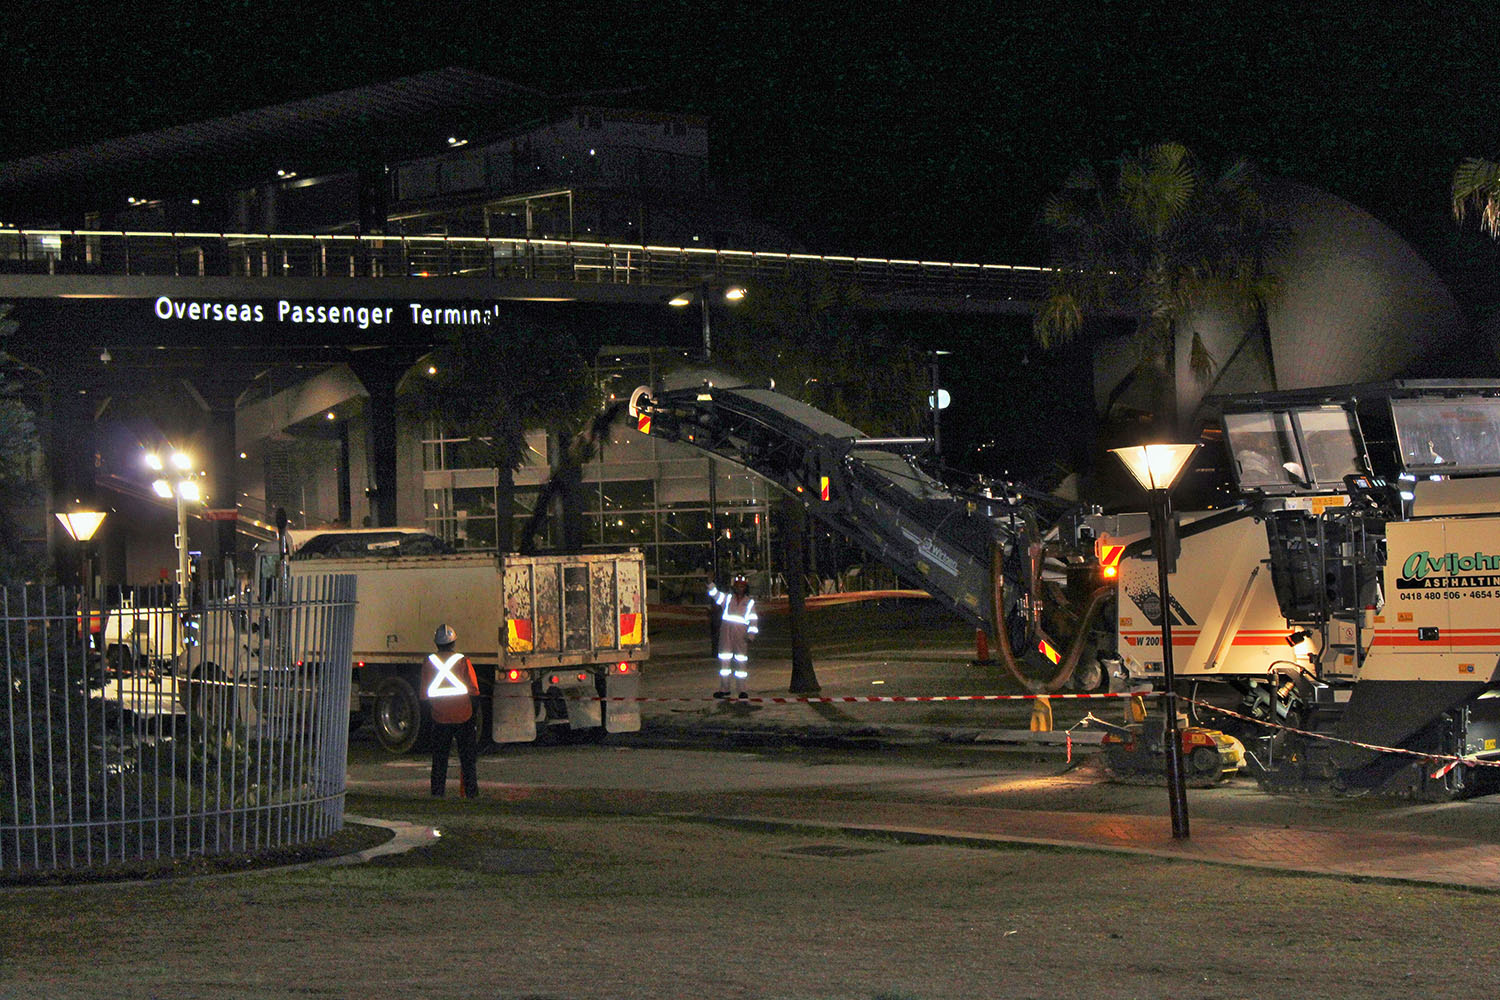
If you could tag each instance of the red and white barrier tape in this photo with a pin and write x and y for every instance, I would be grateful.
(1449, 761)
(851, 699)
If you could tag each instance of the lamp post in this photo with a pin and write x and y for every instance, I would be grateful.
(732, 293)
(81, 526)
(178, 482)
(937, 401)
(1156, 467)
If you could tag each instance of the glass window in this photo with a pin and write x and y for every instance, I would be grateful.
(689, 525)
(1448, 435)
(629, 529)
(683, 560)
(1263, 449)
(468, 453)
(1332, 448)
(627, 495)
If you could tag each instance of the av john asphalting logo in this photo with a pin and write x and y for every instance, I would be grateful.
(1425, 571)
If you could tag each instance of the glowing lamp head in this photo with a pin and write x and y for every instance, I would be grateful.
(81, 524)
(1155, 466)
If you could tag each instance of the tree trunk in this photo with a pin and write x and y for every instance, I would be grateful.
(505, 502)
(794, 563)
(569, 476)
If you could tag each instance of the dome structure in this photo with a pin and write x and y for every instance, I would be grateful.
(1357, 304)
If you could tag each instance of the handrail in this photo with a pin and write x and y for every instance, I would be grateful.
(327, 255)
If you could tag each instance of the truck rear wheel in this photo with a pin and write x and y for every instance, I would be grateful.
(400, 721)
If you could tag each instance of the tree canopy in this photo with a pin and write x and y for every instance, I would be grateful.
(493, 384)
(1476, 186)
(1157, 237)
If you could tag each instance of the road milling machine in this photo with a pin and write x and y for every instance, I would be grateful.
(1335, 610)
(1340, 614)
(977, 550)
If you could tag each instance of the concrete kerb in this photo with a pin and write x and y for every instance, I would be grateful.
(918, 835)
(404, 837)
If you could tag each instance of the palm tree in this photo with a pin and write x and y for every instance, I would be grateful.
(1476, 185)
(493, 384)
(1157, 239)
(811, 338)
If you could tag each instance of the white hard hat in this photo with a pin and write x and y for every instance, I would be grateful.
(444, 636)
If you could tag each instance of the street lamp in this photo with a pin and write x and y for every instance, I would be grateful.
(937, 401)
(178, 482)
(81, 526)
(1156, 467)
(732, 293)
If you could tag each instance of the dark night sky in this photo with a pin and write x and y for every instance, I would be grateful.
(891, 129)
(887, 129)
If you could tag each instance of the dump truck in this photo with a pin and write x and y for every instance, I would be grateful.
(557, 641)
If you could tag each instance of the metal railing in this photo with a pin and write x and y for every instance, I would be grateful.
(259, 255)
(146, 732)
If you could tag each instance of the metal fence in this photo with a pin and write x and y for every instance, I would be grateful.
(147, 731)
(254, 255)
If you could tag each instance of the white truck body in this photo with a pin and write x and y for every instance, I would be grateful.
(556, 639)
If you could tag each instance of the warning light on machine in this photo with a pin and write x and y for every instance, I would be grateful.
(1109, 558)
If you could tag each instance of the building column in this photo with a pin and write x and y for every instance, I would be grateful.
(379, 379)
(221, 510)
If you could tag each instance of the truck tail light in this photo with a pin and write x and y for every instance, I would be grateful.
(583, 677)
(513, 675)
(554, 679)
(623, 667)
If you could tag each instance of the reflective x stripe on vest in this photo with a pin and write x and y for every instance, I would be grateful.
(743, 619)
(446, 683)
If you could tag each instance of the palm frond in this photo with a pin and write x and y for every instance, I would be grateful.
(1476, 184)
(1059, 319)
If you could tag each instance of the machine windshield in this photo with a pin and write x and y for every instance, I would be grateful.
(1281, 450)
(1448, 435)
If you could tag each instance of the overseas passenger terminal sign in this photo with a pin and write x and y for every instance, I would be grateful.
(291, 314)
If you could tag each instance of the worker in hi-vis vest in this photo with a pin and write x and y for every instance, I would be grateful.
(449, 687)
(738, 624)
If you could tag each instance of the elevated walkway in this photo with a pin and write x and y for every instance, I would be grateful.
(37, 263)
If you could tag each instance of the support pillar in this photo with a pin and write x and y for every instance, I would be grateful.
(221, 509)
(379, 377)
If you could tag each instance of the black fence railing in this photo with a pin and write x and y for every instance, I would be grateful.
(149, 730)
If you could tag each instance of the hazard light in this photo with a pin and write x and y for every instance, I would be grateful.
(1109, 554)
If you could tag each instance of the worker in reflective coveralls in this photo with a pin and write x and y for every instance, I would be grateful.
(738, 624)
(449, 687)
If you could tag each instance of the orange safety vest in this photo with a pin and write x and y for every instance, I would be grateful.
(448, 684)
